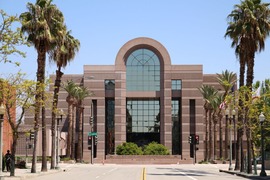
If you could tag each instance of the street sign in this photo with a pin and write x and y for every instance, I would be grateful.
(92, 134)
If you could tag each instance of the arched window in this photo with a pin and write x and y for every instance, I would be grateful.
(143, 71)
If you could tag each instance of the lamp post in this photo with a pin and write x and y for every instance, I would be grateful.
(226, 133)
(234, 134)
(2, 112)
(59, 118)
(262, 118)
(230, 154)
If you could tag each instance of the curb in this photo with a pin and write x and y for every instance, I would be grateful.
(249, 176)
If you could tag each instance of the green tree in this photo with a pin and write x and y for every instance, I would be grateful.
(17, 95)
(209, 94)
(62, 54)
(227, 80)
(249, 25)
(10, 38)
(43, 22)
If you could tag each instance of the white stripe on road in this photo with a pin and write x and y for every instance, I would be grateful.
(188, 176)
(107, 172)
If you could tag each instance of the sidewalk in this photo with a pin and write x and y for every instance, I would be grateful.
(245, 175)
(22, 174)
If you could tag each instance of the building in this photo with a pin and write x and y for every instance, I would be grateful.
(141, 98)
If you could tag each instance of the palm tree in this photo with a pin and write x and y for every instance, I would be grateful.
(63, 53)
(227, 80)
(70, 87)
(80, 95)
(249, 25)
(42, 23)
(216, 103)
(208, 93)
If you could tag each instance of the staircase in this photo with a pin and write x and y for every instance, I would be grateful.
(146, 159)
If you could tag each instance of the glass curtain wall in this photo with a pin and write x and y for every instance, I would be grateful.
(143, 71)
(143, 115)
(110, 123)
(143, 121)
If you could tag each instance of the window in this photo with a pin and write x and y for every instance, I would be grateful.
(176, 84)
(143, 116)
(176, 146)
(143, 71)
(109, 84)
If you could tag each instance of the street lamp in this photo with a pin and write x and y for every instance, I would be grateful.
(2, 112)
(226, 132)
(262, 118)
(58, 118)
(234, 133)
(230, 121)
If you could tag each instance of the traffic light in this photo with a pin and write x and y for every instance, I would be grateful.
(197, 139)
(191, 139)
(89, 140)
(32, 135)
(96, 140)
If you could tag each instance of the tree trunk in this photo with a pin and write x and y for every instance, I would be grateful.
(249, 82)
(13, 152)
(220, 137)
(44, 142)
(57, 84)
(210, 136)
(73, 134)
(206, 136)
(69, 135)
(215, 137)
(80, 141)
(41, 62)
(239, 160)
(53, 161)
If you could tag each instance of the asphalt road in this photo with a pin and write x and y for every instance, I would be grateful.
(136, 172)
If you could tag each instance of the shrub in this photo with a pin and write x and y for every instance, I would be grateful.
(128, 148)
(155, 149)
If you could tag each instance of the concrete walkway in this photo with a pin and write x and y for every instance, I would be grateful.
(22, 174)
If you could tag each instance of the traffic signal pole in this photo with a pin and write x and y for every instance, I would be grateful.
(193, 141)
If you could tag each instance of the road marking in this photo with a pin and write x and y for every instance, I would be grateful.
(143, 176)
(112, 170)
(188, 176)
(106, 172)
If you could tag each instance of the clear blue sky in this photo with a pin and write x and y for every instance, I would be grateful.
(191, 31)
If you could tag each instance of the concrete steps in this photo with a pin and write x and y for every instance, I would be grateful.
(146, 159)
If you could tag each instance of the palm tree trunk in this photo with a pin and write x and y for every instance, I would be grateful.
(38, 98)
(57, 84)
(206, 136)
(220, 137)
(73, 133)
(215, 137)
(79, 149)
(69, 135)
(239, 160)
(44, 143)
(210, 136)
